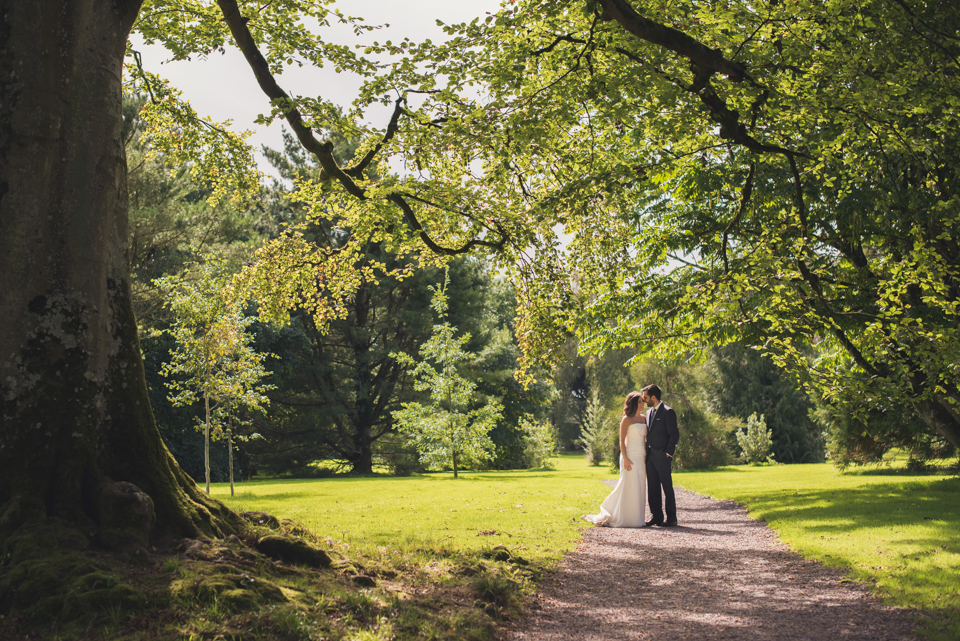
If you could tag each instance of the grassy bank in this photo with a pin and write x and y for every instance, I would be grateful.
(896, 530)
(425, 557)
(350, 559)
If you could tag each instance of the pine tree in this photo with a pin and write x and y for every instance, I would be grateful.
(444, 430)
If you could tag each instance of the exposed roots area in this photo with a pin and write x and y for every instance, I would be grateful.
(270, 580)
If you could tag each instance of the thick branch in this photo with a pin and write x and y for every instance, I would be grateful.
(669, 38)
(729, 120)
(414, 224)
(705, 62)
(357, 170)
(323, 151)
(552, 45)
(801, 205)
(824, 308)
(814, 281)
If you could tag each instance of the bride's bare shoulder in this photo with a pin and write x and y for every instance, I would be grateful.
(636, 419)
(639, 419)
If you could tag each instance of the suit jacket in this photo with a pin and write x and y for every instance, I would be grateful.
(663, 434)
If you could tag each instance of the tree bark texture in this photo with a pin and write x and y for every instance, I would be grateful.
(73, 398)
(939, 414)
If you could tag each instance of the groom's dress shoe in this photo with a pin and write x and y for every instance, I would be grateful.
(668, 524)
(651, 523)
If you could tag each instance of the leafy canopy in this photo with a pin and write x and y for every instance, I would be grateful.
(781, 173)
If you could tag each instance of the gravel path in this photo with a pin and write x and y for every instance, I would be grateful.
(720, 575)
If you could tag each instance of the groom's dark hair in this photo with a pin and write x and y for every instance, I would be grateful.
(653, 390)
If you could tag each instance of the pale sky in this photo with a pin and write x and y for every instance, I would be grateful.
(223, 87)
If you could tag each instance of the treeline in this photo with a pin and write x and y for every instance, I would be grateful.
(335, 391)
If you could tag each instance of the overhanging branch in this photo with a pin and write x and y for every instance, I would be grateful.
(357, 170)
(672, 39)
(261, 70)
(414, 223)
(324, 150)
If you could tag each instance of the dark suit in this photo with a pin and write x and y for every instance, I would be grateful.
(662, 437)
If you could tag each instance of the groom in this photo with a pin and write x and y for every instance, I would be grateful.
(662, 437)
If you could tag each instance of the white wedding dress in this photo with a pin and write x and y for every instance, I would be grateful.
(626, 504)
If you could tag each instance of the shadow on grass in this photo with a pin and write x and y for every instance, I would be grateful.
(902, 471)
(885, 504)
(723, 469)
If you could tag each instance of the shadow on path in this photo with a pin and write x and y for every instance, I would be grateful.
(720, 575)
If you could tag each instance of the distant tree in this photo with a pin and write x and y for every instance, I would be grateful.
(213, 359)
(336, 389)
(172, 222)
(573, 392)
(595, 431)
(577, 378)
(539, 442)
(497, 358)
(609, 374)
(747, 382)
(172, 225)
(337, 384)
(241, 391)
(444, 430)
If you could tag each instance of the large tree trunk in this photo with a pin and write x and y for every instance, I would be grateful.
(364, 462)
(941, 416)
(73, 399)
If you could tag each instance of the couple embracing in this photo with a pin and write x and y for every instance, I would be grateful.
(647, 444)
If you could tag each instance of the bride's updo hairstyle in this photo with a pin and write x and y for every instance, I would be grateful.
(631, 404)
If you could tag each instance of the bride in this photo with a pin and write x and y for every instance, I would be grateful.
(625, 506)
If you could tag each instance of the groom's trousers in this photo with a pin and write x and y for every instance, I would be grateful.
(658, 476)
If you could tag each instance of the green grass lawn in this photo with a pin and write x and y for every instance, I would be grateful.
(535, 513)
(897, 531)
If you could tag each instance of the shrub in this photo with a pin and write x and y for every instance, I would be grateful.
(755, 440)
(539, 442)
(703, 436)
